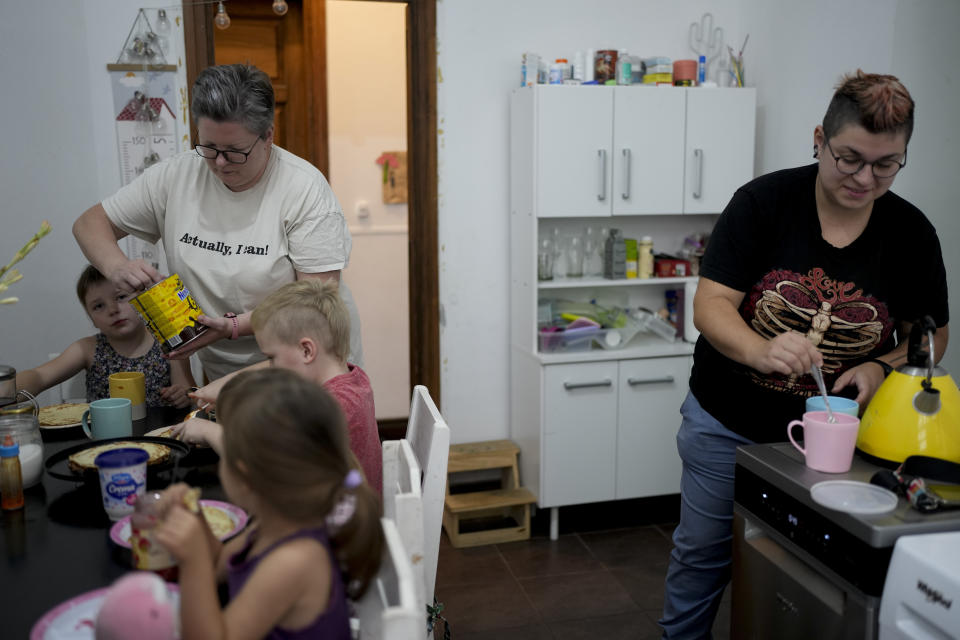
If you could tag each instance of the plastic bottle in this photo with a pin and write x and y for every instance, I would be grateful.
(631, 258)
(148, 554)
(579, 66)
(701, 70)
(615, 256)
(11, 482)
(624, 68)
(645, 257)
(556, 73)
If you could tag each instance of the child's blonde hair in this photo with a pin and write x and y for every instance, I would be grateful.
(291, 438)
(310, 308)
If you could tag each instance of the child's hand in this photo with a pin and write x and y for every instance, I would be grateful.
(184, 536)
(205, 397)
(176, 395)
(194, 431)
(172, 495)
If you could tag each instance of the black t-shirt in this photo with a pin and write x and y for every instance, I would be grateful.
(768, 244)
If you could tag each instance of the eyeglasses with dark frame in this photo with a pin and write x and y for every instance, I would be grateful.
(882, 168)
(231, 156)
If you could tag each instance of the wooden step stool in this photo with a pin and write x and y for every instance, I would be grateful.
(487, 517)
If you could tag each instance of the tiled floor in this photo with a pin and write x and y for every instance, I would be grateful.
(589, 583)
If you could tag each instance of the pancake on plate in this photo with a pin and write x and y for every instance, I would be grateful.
(62, 415)
(83, 460)
(221, 524)
(162, 432)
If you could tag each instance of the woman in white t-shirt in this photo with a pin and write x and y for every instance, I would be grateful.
(239, 217)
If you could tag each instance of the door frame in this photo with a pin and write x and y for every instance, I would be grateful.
(422, 208)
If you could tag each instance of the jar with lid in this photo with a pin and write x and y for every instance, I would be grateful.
(8, 385)
(148, 554)
(20, 423)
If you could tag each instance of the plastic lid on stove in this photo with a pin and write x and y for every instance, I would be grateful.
(851, 496)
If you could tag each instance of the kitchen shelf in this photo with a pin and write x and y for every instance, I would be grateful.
(580, 283)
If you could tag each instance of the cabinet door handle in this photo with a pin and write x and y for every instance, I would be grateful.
(626, 174)
(602, 174)
(633, 382)
(698, 177)
(587, 385)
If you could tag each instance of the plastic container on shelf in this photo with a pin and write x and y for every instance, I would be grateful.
(570, 340)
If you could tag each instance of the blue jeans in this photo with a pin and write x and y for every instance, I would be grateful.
(701, 557)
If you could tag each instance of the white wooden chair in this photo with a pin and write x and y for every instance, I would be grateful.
(391, 609)
(429, 437)
(403, 503)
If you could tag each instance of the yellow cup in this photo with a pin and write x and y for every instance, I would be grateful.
(130, 384)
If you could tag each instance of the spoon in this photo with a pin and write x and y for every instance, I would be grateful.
(818, 376)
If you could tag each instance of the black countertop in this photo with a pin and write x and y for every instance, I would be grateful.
(58, 546)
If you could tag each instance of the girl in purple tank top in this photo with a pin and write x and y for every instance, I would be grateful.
(316, 538)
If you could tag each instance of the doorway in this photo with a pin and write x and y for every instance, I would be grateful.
(422, 250)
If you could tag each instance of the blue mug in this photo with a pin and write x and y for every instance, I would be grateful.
(110, 418)
(837, 405)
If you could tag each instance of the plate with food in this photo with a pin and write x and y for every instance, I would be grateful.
(77, 462)
(62, 416)
(77, 617)
(225, 520)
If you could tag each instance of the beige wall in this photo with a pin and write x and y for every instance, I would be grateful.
(366, 82)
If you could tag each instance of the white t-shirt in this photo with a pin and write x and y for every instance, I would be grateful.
(232, 249)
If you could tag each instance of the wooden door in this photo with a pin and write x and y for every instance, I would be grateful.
(423, 254)
(278, 46)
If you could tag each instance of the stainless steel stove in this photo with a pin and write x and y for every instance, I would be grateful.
(801, 570)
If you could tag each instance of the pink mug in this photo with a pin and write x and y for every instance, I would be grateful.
(829, 445)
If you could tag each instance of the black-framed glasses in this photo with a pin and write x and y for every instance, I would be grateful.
(882, 168)
(231, 156)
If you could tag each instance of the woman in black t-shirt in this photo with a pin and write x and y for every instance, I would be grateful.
(814, 265)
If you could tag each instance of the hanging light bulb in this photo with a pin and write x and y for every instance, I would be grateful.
(163, 23)
(280, 7)
(221, 20)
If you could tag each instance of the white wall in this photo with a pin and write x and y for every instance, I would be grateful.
(366, 83)
(796, 53)
(60, 157)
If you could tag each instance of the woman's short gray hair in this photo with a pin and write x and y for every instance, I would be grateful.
(234, 93)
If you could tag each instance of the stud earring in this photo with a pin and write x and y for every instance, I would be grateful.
(816, 152)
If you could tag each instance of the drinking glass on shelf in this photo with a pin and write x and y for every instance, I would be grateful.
(574, 257)
(545, 259)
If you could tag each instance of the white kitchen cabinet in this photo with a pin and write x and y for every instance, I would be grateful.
(600, 425)
(573, 151)
(648, 125)
(648, 415)
(580, 427)
(601, 151)
(720, 127)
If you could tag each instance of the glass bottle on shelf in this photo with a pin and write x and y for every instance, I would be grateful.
(592, 253)
(559, 255)
(545, 256)
(574, 256)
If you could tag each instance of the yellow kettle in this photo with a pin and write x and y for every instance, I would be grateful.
(916, 411)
